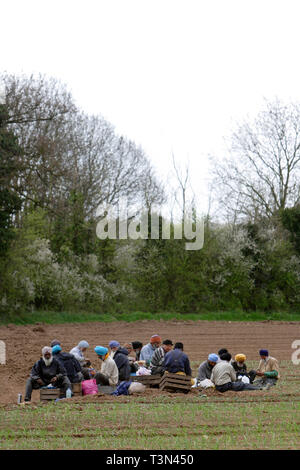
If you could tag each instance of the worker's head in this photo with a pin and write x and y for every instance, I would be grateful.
(128, 347)
(47, 355)
(114, 345)
(136, 346)
(213, 359)
(264, 353)
(226, 357)
(178, 346)
(83, 345)
(54, 343)
(56, 349)
(167, 345)
(101, 352)
(155, 340)
(240, 358)
(222, 351)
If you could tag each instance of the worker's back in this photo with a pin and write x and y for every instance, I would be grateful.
(176, 361)
(70, 363)
(222, 373)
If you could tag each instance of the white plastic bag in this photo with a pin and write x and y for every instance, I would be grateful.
(244, 379)
(206, 383)
(136, 387)
(143, 371)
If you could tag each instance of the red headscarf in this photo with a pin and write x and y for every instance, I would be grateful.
(155, 339)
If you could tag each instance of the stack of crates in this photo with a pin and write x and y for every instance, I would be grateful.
(175, 383)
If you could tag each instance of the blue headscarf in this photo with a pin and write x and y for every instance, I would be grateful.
(56, 349)
(213, 357)
(101, 350)
(263, 352)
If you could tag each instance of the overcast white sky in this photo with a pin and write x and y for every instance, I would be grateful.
(172, 75)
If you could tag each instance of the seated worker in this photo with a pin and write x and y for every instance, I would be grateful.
(137, 346)
(122, 362)
(132, 359)
(224, 377)
(69, 362)
(205, 370)
(268, 369)
(156, 364)
(177, 361)
(223, 351)
(240, 368)
(78, 353)
(47, 370)
(149, 349)
(113, 346)
(109, 374)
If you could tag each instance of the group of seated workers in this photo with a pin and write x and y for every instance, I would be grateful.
(60, 369)
(223, 373)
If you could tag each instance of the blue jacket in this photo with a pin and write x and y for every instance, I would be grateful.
(123, 388)
(177, 361)
(147, 352)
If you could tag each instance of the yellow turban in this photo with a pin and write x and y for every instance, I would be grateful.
(240, 357)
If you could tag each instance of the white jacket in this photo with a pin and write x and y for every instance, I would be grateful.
(110, 370)
(78, 354)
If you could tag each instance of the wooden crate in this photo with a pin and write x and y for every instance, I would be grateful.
(48, 394)
(77, 389)
(152, 381)
(175, 382)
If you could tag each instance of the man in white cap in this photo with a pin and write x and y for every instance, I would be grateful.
(78, 353)
(47, 370)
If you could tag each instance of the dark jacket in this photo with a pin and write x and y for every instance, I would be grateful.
(204, 371)
(70, 363)
(177, 361)
(122, 361)
(239, 370)
(46, 373)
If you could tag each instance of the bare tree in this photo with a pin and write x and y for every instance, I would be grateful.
(112, 167)
(187, 200)
(39, 111)
(67, 152)
(261, 174)
(152, 190)
(35, 98)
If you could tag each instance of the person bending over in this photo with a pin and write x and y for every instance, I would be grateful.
(205, 371)
(69, 362)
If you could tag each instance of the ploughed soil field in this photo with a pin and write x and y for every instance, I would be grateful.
(24, 344)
